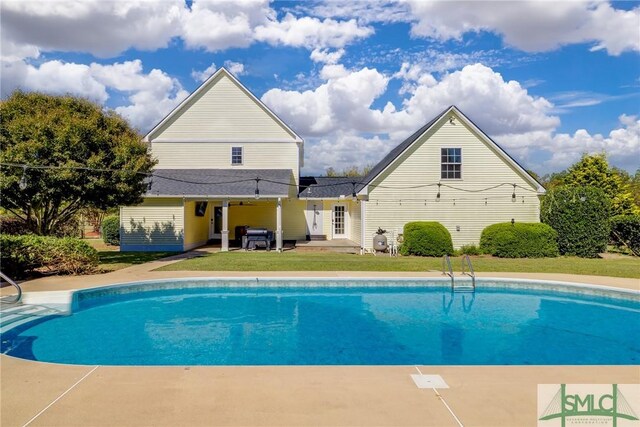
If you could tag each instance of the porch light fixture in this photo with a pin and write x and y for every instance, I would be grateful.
(354, 196)
(257, 194)
(513, 196)
(438, 195)
(23, 181)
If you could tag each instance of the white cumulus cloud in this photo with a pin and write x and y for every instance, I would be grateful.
(531, 25)
(150, 95)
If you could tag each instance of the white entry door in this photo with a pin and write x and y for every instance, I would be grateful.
(339, 222)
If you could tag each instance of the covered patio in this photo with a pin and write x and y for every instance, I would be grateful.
(219, 202)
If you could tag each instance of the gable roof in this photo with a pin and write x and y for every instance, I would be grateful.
(205, 86)
(390, 158)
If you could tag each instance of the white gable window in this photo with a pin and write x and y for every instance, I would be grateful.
(451, 163)
(236, 155)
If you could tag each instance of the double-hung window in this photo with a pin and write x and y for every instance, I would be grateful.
(451, 163)
(236, 155)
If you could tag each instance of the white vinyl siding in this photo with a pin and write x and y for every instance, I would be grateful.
(223, 110)
(354, 216)
(391, 208)
(215, 155)
(156, 223)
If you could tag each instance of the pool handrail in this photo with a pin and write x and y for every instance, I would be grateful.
(447, 269)
(471, 273)
(18, 296)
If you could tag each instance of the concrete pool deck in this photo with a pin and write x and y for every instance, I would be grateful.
(43, 394)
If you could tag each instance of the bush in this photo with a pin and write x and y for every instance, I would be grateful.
(12, 225)
(580, 215)
(22, 255)
(469, 250)
(426, 239)
(519, 240)
(111, 230)
(625, 231)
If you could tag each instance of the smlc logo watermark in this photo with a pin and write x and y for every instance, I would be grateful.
(576, 405)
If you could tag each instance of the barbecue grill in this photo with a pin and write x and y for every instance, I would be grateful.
(257, 237)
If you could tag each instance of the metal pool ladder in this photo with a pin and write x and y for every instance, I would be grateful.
(11, 299)
(448, 270)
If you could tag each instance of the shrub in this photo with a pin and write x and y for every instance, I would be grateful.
(625, 231)
(13, 225)
(22, 255)
(426, 239)
(111, 230)
(469, 250)
(519, 240)
(580, 215)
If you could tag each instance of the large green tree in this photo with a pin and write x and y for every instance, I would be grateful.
(593, 170)
(77, 153)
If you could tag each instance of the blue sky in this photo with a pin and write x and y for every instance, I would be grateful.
(547, 80)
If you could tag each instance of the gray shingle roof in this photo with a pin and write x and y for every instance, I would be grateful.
(325, 187)
(220, 182)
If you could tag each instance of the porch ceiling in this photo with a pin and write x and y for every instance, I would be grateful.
(220, 182)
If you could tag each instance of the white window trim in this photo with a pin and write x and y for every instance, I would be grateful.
(461, 168)
(241, 147)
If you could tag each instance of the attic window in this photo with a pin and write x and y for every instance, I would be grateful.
(236, 155)
(451, 163)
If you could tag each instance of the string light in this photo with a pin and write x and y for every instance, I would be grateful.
(158, 175)
(257, 196)
(23, 181)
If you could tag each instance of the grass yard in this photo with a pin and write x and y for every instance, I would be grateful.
(114, 260)
(327, 261)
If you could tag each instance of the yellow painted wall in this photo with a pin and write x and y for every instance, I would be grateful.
(263, 214)
(294, 225)
(196, 228)
(255, 214)
(393, 206)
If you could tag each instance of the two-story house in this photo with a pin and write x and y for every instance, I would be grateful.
(225, 161)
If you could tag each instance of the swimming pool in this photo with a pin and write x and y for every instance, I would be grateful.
(336, 322)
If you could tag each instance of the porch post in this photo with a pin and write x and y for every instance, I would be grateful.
(225, 226)
(279, 225)
(363, 227)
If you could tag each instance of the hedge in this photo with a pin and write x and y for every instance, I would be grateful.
(22, 255)
(519, 240)
(426, 239)
(625, 231)
(111, 230)
(580, 215)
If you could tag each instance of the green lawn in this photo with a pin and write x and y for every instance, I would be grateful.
(114, 260)
(321, 261)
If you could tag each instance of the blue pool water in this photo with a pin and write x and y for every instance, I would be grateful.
(331, 326)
